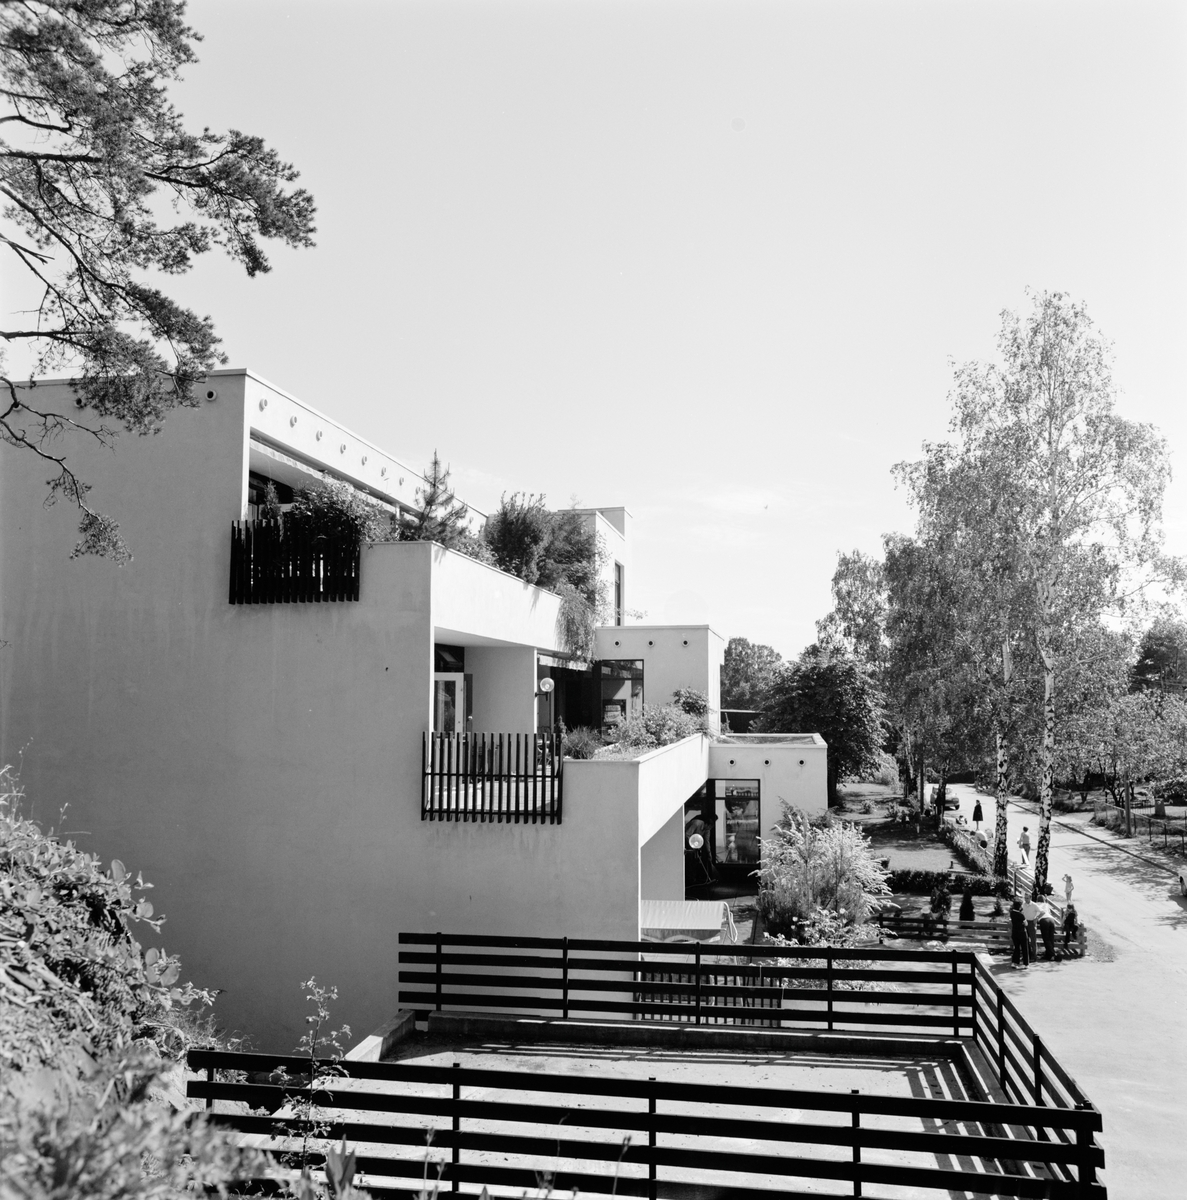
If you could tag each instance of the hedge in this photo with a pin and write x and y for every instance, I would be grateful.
(923, 883)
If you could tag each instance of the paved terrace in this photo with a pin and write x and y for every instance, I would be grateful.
(734, 1097)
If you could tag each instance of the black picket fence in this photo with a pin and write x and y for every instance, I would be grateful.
(275, 563)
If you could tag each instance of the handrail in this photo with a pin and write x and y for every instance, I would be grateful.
(501, 1103)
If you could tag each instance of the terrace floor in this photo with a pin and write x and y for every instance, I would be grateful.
(896, 1067)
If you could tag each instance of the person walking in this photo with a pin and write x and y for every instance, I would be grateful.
(978, 816)
(1021, 949)
(1024, 845)
(1067, 888)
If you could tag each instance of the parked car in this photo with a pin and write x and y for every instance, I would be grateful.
(1183, 880)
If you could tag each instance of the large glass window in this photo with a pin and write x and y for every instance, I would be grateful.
(621, 682)
(737, 812)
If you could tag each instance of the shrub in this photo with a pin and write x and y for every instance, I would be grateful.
(967, 911)
(86, 1013)
(965, 846)
(332, 509)
(1174, 788)
(657, 725)
(924, 883)
(691, 701)
(580, 742)
(941, 901)
(807, 867)
(884, 770)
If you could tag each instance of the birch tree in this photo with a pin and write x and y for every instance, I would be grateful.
(1081, 515)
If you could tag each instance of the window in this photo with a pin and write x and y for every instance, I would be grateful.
(736, 809)
(257, 487)
(621, 682)
(619, 592)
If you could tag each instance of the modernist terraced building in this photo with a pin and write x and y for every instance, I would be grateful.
(306, 768)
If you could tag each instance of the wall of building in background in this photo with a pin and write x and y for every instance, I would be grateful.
(674, 656)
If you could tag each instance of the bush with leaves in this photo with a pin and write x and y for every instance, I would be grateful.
(657, 725)
(580, 742)
(332, 509)
(89, 1021)
(811, 865)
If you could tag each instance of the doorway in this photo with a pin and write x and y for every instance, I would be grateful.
(452, 702)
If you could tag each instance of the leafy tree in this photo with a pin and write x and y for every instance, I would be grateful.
(517, 534)
(1162, 658)
(858, 618)
(1081, 494)
(827, 691)
(747, 671)
(92, 146)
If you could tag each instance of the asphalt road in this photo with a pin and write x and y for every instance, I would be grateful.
(1118, 1019)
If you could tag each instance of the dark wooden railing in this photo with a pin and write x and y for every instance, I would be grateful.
(506, 777)
(513, 1125)
(994, 934)
(271, 564)
(820, 987)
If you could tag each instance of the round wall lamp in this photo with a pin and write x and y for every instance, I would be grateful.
(545, 686)
(696, 842)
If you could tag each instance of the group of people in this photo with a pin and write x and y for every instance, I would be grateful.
(1031, 916)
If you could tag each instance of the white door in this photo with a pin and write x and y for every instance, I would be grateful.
(449, 702)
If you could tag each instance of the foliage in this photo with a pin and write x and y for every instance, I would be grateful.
(883, 770)
(333, 509)
(307, 1123)
(858, 618)
(577, 621)
(691, 701)
(106, 1137)
(746, 673)
(829, 692)
(967, 911)
(517, 534)
(92, 149)
(86, 1014)
(74, 975)
(808, 866)
(657, 725)
(1174, 788)
(1162, 658)
(923, 883)
(940, 902)
(581, 742)
(966, 847)
(442, 517)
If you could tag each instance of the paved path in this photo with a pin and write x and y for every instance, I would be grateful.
(1117, 1020)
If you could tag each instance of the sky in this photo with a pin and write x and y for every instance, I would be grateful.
(710, 261)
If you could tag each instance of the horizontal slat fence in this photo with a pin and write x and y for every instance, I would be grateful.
(501, 777)
(1168, 832)
(631, 1137)
(819, 987)
(273, 563)
(994, 934)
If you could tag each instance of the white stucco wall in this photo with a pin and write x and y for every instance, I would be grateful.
(674, 656)
(262, 764)
(795, 772)
(661, 861)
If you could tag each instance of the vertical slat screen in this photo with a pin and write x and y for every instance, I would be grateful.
(512, 777)
(273, 563)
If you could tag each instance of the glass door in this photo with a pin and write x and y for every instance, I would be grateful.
(449, 702)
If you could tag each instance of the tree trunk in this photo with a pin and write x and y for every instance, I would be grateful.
(1046, 771)
(1001, 851)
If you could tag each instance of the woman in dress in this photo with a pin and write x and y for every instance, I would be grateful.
(978, 816)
